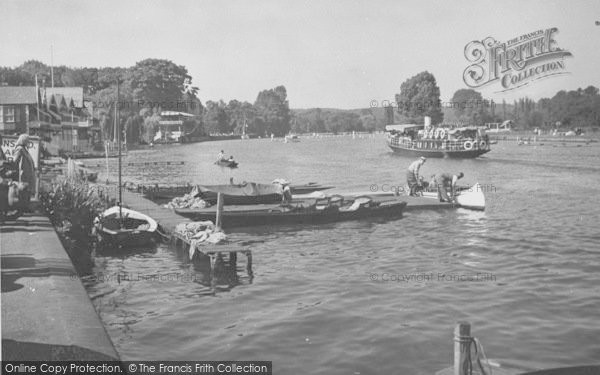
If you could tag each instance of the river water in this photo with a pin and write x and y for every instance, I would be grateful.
(373, 297)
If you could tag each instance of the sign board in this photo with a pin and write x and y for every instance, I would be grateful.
(8, 146)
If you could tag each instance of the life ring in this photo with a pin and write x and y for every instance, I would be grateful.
(482, 145)
(468, 145)
(438, 133)
(442, 133)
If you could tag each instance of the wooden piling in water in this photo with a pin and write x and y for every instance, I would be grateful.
(462, 347)
(218, 219)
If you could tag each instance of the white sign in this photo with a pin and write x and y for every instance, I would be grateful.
(8, 146)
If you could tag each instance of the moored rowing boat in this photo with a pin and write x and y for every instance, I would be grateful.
(127, 228)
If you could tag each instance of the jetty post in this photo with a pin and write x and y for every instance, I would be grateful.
(218, 219)
(462, 347)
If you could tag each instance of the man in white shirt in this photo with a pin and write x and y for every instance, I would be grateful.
(412, 175)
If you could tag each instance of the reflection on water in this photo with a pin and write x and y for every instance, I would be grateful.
(311, 303)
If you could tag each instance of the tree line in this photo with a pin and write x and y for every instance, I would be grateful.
(150, 87)
(420, 96)
(155, 85)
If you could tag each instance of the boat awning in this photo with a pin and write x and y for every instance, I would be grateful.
(402, 127)
(173, 113)
(247, 189)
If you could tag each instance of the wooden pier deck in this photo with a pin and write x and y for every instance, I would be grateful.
(168, 220)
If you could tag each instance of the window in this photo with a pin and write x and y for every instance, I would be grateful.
(9, 114)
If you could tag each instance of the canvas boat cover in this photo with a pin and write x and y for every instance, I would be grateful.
(248, 189)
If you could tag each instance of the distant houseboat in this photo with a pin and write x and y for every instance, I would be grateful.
(437, 142)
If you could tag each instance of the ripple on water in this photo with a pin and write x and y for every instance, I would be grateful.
(312, 305)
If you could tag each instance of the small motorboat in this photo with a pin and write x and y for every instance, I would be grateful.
(227, 163)
(122, 227)
(324, 210)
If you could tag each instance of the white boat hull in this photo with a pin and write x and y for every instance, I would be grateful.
(472, 198)
(138, 229)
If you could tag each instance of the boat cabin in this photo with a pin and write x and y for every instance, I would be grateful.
(436, 138)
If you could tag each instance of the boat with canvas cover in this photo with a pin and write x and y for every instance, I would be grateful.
(322, 210)
(122, 227)
(238, 195)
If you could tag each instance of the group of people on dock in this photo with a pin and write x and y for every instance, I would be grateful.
(17, 178)
(445, 182)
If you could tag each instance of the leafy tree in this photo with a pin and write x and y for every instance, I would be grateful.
(215, 118)
(273, 112)
(159, 82)
(469, 107)
(420, 96)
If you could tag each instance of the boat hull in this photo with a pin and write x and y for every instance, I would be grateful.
(227, 163)
(138, 229)
(167, 193)
(303, 216)
(470, 197)
(464, 154)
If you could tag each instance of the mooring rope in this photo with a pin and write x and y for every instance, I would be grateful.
(480, 357)
(163, 235)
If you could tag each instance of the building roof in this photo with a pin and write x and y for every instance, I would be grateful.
(17, 95)
(69, 93)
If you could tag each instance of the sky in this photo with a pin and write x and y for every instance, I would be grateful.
(327, 53)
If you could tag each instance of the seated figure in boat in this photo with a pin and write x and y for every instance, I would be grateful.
(412, 175)
(445, 182)
(286, 194)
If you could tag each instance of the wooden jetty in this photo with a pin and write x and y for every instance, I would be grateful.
(168, 220)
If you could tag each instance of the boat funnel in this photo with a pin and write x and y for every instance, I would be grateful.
(427, 121)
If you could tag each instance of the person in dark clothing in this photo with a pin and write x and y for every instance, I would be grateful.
(446, 182)
(26, 167)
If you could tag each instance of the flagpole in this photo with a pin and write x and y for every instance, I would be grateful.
(52, 63)
(37, 99)
(118, 129)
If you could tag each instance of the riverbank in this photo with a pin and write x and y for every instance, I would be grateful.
(46, 312)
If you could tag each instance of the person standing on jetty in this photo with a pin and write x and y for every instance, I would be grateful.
(412, 175)
(26, 168)
(444, 182)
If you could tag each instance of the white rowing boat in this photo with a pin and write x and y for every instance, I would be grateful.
(125, 228)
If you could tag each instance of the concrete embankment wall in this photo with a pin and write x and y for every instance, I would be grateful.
(46, 312)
